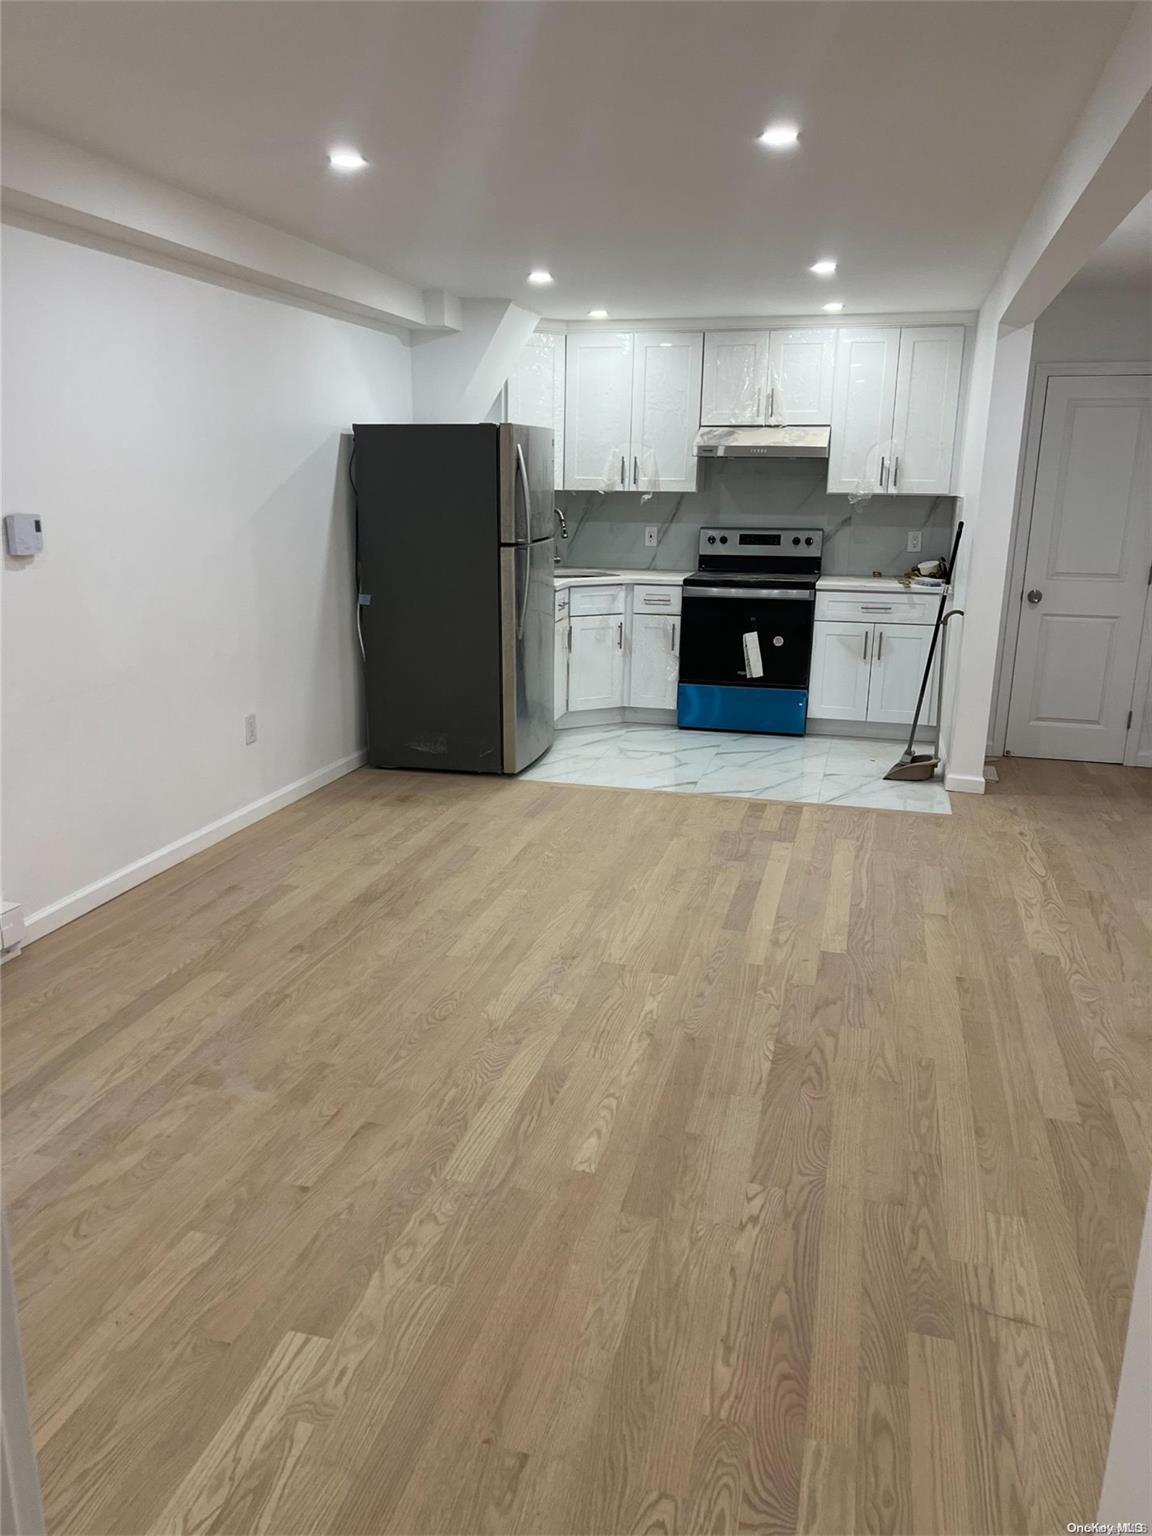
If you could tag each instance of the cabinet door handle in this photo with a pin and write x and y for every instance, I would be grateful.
(635, 469)
(895, 471)
(621, 469)
(867, 632)
(672, 637)
(883, 462)
(620, 635)
(569, 639)
(879, 644)
(875, 607)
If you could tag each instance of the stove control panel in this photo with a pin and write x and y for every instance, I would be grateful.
(758, 543)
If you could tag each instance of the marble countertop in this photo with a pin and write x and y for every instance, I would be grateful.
(868, 584)
(612, 578)
(675, 578)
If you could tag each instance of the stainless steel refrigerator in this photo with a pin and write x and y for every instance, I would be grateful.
(455, 559)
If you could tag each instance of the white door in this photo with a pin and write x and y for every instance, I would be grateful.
(1087, 570)
(596, 662)
(654, 665)
(665, 410)
(560, 669)
(838, 677)
(536, 391)
(735, 379)
(927, 397)
(801, 370)
(863, 403)
(899, 655)
(598, 411)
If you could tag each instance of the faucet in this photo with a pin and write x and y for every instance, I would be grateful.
(563, 531)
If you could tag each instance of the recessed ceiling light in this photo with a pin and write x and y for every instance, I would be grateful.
(597, 314)
(825, 267)
(540, 277)
(780, 136)
(835, 307)
(346, 160)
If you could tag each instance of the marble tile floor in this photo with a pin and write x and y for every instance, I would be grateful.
(812, 770)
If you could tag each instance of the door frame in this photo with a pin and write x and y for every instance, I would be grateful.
(1021, 535)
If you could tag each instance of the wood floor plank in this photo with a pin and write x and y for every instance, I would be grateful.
(450, 1154)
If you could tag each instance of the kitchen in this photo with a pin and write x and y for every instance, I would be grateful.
(844, 432)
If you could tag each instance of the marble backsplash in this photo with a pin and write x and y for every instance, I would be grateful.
(608, 530)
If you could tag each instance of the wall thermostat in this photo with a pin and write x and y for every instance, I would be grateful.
(23, 534)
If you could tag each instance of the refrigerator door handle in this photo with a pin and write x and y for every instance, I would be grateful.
(523, 469)
(523, 561)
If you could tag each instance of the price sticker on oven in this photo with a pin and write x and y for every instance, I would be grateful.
(753, 661)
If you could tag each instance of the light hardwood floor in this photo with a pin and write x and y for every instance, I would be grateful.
(461, 1155)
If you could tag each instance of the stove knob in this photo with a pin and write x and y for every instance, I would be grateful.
(796, 540)
(723, 538)
(808, 542)
(711, 538)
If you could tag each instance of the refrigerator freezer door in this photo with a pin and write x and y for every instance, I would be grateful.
(528, 634)
(526, 484)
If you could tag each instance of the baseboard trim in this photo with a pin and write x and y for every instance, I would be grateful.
(965, 783)
(68, 908)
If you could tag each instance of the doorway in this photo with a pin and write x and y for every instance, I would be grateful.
(1087, 568)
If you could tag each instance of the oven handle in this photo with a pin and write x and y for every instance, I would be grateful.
(758, 594)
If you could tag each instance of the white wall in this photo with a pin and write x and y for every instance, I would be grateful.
(182, 443)
(1099, 177)
(1095, 325)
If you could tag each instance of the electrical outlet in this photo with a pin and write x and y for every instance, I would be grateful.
(914, 542)
(651, 535)
(249, 730)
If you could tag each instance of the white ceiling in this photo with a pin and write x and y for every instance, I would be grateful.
(1125, 258)
(612, 143)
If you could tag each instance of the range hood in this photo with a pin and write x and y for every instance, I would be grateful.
(763, 442)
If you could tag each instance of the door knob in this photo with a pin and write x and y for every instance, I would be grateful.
(1035, 595)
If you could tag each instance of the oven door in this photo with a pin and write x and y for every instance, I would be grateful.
(716, 619)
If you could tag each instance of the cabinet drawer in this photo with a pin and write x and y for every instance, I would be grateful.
(590, 600)
(656, 599)
(562, 600)
(879, 607)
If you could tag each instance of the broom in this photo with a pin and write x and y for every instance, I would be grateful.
(923, 765)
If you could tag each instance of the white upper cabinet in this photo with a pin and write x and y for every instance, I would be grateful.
(735, 378)
(894, 408)
(536, 391)
(927, 397)
(665, 411)
(633, 404)
(863, 402)
(598, 411)
(782, 378)
(801, 370)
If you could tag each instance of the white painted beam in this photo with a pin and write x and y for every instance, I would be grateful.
(46, 178)
(455, 378)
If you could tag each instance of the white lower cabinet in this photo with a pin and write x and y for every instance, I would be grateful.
(899, 652)
(864, 671)
(838, 678)
(560, 669)
(596, 662)
(654, 661)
